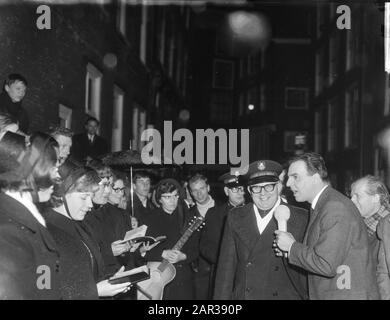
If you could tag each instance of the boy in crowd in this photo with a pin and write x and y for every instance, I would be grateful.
(14, 90)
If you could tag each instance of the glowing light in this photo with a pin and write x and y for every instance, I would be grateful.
(251, 107)
(251, 27)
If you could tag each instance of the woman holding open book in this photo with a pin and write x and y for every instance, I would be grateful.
(171, 220)
(82, 272)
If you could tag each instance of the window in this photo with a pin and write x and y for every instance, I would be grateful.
(241, 103)
(139, 125)
(262, 60)
(93, 81)
(318, 132)
(117, 120)
(242, 67)
(172, 49)
(143, 33)
(333, 57)
(296, 98)
(65, 115)
(293, 140)
(162, 36)
(350, 118)
(121, 17)
(262, 98)
(221, 107)
(223, 73)
(318, 74)
(332, 126)
(386, 110)
(253, 64)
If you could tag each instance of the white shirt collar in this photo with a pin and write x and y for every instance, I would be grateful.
(263, 222)
(313, 204)
(26, 200)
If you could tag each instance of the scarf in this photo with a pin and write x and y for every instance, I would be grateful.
(372, 221)
(202, 208)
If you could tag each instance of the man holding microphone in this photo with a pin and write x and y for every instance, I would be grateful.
(335, 249)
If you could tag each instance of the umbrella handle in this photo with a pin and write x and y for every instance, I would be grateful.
(131, 192)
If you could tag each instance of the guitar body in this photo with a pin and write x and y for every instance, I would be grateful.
(158, 280)
(162, 273)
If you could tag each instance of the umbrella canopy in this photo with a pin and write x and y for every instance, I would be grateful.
(122, 158)
(132, 158)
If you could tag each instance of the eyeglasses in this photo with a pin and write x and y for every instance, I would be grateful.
(236, 189)
(267, 188)
(117, 190)
(174, 197)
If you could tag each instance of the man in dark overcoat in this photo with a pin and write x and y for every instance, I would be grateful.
(248, 268)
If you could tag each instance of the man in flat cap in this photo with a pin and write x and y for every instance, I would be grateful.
(211, 236)
(248, 268)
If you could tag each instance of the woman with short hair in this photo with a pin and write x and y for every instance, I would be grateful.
(83, 274)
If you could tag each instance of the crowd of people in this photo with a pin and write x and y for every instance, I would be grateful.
(64, 215)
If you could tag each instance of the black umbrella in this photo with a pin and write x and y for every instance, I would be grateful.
(129, 159)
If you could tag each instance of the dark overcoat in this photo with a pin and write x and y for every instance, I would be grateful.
(248, 268)
(29, 259)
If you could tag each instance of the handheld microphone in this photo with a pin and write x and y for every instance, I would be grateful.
(282, 214)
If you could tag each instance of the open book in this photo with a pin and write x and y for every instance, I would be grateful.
(137, 235)
(149, 239)
(133, 275)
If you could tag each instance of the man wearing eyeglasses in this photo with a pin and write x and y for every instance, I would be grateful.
(247, 266)
(211, 236)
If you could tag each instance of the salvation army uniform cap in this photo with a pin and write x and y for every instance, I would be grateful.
(263, 171)
(230, 180)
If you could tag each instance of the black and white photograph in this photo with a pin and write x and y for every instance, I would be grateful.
(194, 150)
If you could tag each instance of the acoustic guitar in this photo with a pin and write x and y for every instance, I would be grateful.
(162, 273)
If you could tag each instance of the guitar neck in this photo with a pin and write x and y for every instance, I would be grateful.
(179, 244)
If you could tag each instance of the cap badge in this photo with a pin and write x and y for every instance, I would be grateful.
(261, 165)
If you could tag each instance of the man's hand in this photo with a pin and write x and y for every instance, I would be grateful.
(173, 256)
(284, 240)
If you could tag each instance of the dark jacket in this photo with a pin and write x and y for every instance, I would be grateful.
(139, 210)
(335, 246)
(211, 235)
(248, 268)
(211, 238)
(28, 254)
(383, 267)
(108, 224)
(173, 226)
(81, 262)
(82, 147)
(16, 110)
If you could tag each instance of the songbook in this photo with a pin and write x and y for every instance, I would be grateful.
(135, 233)
(133, 275)
(149, 239)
